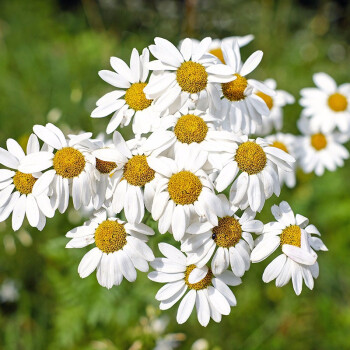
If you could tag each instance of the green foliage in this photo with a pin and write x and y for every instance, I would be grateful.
(49, 59)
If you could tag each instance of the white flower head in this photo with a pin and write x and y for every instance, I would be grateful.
(295, 237)
(20, 193)
(71, 163)
(229, 243)
(327, 105)
(183, 191)
(129, 100)
(317, 151)
(257, 164)
(184, 75)
(208, 291)
(241, 105)
(120, 248)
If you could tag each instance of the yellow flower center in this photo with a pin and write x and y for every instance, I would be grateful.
(218, 53)
(137, 171)
(136, 98)
(192, 77)
(337, 102)
(234, 90)
(291, 235)
(24, 182)
(318, 141)
(110, 236)
(227, 233)
(190, 128)
(68, 162)
(280, 145)
(202, 284)
(184, 187)
(250, 157)
(267, 99)
(105, 167)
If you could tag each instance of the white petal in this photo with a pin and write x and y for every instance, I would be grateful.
(89, 262)
(186, 307)
(274, 268)
(19, 212)
(299, 255)
(32, 210)
(264, 248)
(251, 63)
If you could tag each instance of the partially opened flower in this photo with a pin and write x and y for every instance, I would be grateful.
(317, 151)
(327, 105)
(20, 193)
(129, 100)
(256, 164)
(294, 236)
(184, 75)
(71, 163)
(229, 243)
(120, 248)
(208, 291)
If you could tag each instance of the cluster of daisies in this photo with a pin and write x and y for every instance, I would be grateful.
(200, 163)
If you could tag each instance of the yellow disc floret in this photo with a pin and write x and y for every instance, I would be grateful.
(190, 128)
(280, 145)
(137, 171)
(136, 98)
(202, 284)
(184, 187)
(234, 90)
(105, 167)
(228, 232)
(291, 235)
(192, 77)
(337, 102)
(318, 141)
(110, 236)
(218, 53)
(267, 99)
(24, 182)
(68, 162)
(250, 157)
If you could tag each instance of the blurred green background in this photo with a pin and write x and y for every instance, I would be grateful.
(50, 53)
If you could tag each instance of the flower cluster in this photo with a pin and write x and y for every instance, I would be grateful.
(200, 163)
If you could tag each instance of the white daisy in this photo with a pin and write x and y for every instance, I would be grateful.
(295, 237)
(185, 75)
(242, 106)
(327, 105)
(129, 99)
(257, 164)
(317, 151)
(274, 119)
(72, 165)
(208, 291)
(230, 242)
(287, 143)
(183, 191)
(120, 248)
(133, 180)
(21, 194)
(187, 127)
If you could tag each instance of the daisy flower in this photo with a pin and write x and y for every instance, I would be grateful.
(133, 180)
(129, 99)
(20, 193)
(295, 237)
(243, 107)
(327, 105)
(184, 75)
(188, 127)
(230, 242)
(275, 103)
(71, 164)
(120, 248)
(317, 151)
(257, 164)
(208, 291)
(287, 143)
(183, 191)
